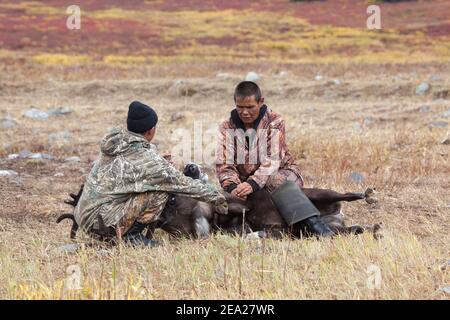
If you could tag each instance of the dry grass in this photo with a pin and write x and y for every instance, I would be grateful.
(212, 269)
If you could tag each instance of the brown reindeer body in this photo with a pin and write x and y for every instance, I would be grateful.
(184, 216)
(258, 213)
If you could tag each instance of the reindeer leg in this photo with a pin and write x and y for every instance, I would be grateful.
(375, 229)
(357, 229)
(325, 196)
(340, 229)
(151, 229)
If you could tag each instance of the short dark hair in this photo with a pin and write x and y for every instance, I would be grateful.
(247, 89)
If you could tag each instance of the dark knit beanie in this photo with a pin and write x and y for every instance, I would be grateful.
(141, 118)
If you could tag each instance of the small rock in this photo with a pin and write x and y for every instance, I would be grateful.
(397, 78)
(357, 177)
(13, 156)
(446, 141)
(61, 111)
(25, 154)
(318, 77)
(424, 109)
(177, 116)
(337, 82)
(41, 156)
(395, 88)
(444, 265)
(8, 173)
(282, 74)
(357, 127)
(59, 136)
(182, 88)
(368, 121)
(439, 124)
(69, 248)
(446, 114)
(445, 289)
(73, 159)
(435, 78)
(7, 123)
(252, 76)
(59, 175)
(224, 76)
(422, 88)
(36, 114)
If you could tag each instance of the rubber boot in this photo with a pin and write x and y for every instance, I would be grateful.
(135, 237)
(295, 207)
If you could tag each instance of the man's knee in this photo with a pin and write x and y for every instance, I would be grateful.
(281, 177)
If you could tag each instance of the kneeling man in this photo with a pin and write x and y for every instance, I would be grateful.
(128, 187)
(253, 154)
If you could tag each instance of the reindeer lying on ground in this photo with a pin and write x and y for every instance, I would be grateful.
(189, 217)
(257, 213)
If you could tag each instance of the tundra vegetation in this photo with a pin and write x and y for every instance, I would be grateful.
(363, 108)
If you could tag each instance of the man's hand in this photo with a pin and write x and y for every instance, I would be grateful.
(168, 157)
(234, 193)
(243, 190)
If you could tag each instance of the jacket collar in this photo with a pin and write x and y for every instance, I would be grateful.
(234, 117)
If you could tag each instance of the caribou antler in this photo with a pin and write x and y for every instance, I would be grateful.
(75, 197)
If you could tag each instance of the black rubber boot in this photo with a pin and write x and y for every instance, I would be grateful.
(135, 237)
(315, 226)
(295, 207)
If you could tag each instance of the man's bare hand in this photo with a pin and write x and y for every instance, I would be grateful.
(243, 190)
(168, 157)
(234, 193)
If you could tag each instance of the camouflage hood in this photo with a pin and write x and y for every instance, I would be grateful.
(129, 164)
(119, 142)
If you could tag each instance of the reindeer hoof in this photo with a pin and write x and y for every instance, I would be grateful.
(377, 236)
(369, 196)
(376, 231)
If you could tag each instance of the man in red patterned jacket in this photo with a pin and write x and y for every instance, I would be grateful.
(253, 154)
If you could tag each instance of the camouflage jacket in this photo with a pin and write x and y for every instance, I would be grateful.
(129, 164)
(240, 155)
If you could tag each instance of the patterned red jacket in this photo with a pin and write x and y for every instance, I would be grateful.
(252, 155)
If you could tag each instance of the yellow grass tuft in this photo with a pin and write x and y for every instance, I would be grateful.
(60, 59)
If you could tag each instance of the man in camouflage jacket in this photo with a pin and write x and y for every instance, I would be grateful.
(130, 184)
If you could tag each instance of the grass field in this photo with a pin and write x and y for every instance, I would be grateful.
(362, 115)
